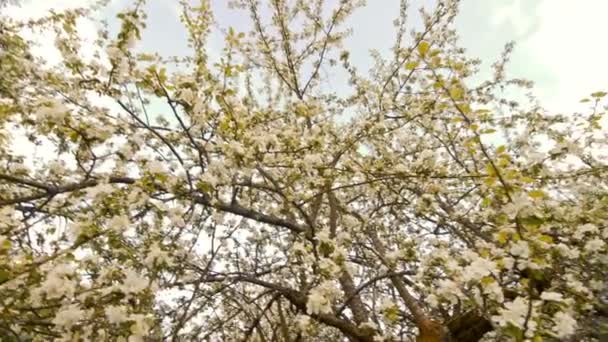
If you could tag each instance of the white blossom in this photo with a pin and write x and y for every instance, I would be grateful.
(567, 251)
(303, 322)
(156, 255)
(386, 303)
(52, 110)
(133, 282)
(514, 312)
(596, 284)
(177, 220)
(324, 236)
(119, 223)
(585, 228)
(317, 303)
(594, 245)
(452, 265)
(565, 325)
(449, 289)
(67, 316)
(114, 53)
(508, 263)
(155, 167)
(116, 314)
(478, 269)
(513, 208)
(100, 190)
(494, 291)
(552, 296)
(298, 248)
(57, 284)
(575, 284)
(432, 300)
(319, 298)
(520, 249)
(393, 255)
(140, 328)
(131, 40)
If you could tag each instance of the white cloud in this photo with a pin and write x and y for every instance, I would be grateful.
(558, 45)
(521, 15)
(35, 9)
(569, 42)
(45, 47)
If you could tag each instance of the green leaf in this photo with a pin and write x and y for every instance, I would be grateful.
(423, 48)
(532, 221)
(438, 85)
(4, 275)
(486, 202)
(392, 314)
(527, 179)
(326, 248)
(515, 332)
(502, 237)
(456, 93)
(487, 280)
(536, 194)
(411, 65)
(204, 187)
(463, 107)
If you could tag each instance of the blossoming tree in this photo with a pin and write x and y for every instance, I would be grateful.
(261, 206)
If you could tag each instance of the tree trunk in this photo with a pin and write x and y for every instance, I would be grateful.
(431, 331)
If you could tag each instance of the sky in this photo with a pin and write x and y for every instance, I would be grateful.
(558, 43)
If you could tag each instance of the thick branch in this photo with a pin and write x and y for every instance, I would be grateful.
(360, 313)
(204, 199)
